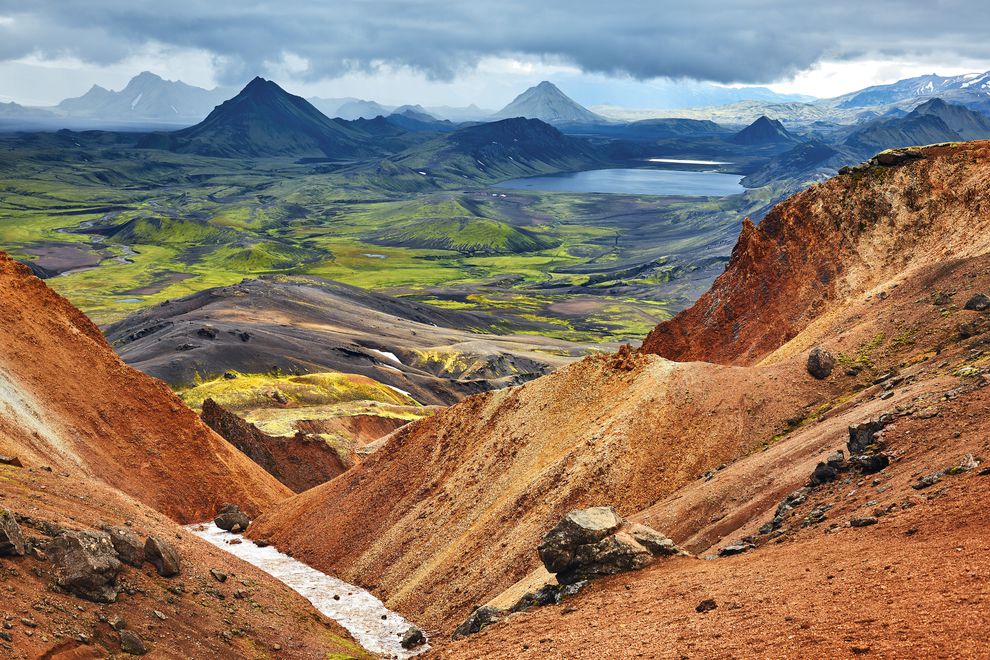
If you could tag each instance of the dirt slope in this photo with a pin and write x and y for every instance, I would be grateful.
(68, 402)
(449, 510)
(832, 241)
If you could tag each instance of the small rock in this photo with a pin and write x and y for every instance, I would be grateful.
(485, 615)
(927, 481)
(207, 332)
(6, 636)
(159, 615)
(820, 363)
(823, 474)
(11, 538)
(412, 638)
(735, 548)
(163, 556)
(219, 576)
(863, 522)
(706, 605)
(131, 643)
(979, 302)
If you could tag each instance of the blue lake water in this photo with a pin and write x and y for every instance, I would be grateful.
(634, 182)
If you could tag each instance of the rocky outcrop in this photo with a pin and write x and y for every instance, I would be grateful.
(300, 462)
(594, 542)
(85, 565)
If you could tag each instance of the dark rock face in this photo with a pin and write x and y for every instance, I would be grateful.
(129, 548)
(820, 363)
(481, 617)
(85, 564)
(162, 556)
(230, 518)
(979, 302)
(12, 461)
(11, 538)
(591, 543)
(861, 436)
(706, 605)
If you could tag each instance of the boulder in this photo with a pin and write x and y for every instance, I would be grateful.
(485, 615)
(129, 548)
(580, 527)
(230, 516)
(820, 363)
(162, 556)
(12, 461)
(591, 543)
(823, 474)
(978, 302)
(85, 565)
(11, 538)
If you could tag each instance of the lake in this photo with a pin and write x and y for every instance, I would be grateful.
(634, 182)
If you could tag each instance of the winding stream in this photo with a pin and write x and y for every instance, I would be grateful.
(374, 626)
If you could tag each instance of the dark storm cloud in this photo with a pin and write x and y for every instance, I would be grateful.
(720, 40)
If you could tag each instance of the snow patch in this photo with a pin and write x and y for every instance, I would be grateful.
(393, 387)
(136, 100)
(358, 611)
(386, 354)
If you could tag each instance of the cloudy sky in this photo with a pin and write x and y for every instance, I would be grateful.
(458, 52)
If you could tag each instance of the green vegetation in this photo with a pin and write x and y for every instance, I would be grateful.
(162, 225)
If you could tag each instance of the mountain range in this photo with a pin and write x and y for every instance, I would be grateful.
(147, 97)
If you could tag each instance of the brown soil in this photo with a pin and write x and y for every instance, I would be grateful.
(68, 402)
(360, 429)
(300, 462)
(200, 612)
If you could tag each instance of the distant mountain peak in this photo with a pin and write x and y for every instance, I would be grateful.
(764, 131)
(547, 103)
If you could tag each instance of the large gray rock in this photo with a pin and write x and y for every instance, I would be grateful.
(129, 547)
(591, 543)
(11, 539)
(162, 556)
(231, 518)
(85, 565)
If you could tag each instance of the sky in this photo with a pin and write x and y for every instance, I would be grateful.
(455, 52)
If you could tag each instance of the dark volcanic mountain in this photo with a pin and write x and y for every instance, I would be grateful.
(547, 103)
(764, 131)
(147, 97)
(264, 120)
(931, 122)
(502, 150)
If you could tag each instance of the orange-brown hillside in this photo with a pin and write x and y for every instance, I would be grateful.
(68, 402)
(817, 250)
(875, 266)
